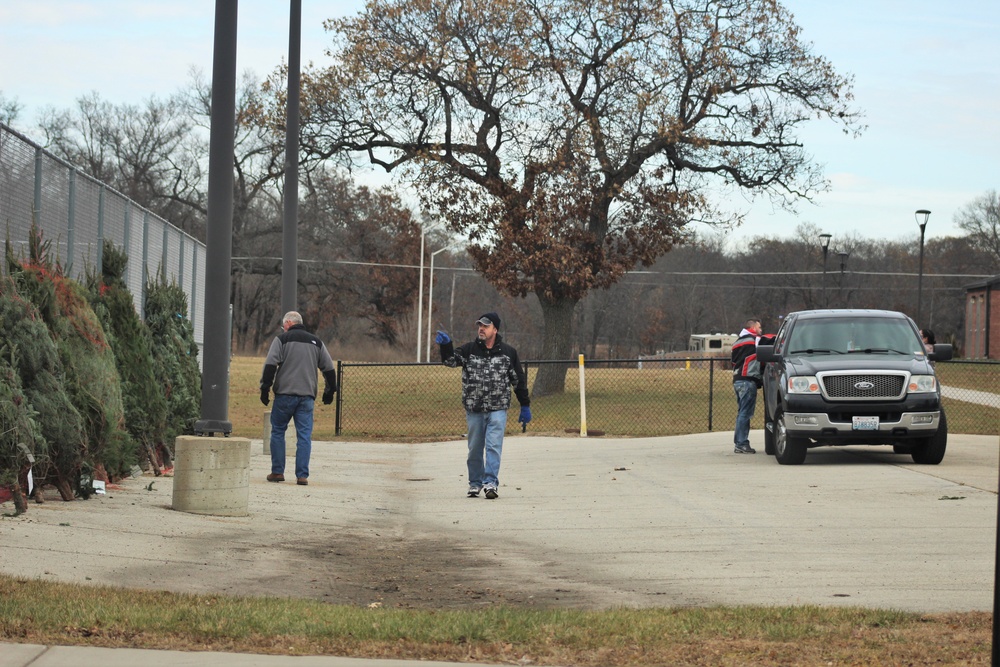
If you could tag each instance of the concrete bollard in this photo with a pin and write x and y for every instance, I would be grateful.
(212, 475)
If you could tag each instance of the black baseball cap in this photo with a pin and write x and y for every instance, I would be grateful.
(489, 318)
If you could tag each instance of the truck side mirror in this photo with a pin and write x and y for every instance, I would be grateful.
(942, 352)
(765, 353)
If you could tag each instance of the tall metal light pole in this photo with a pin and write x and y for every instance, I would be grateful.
(219, 227)
(824, 242)
(921, 216)
(289, 236)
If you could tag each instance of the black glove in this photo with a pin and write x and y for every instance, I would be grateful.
(328, 395)
(265, 395)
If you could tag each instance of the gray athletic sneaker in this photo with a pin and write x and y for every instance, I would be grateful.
(491, 492)
(744, 449)
(473, 491)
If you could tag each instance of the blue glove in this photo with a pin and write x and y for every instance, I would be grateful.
(525, 415)
(441, 338)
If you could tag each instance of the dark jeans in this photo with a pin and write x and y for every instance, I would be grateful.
(746, 400)
(284, 409)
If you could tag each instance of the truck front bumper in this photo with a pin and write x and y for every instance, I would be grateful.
(821, 426)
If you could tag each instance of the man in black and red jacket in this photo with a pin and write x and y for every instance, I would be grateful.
(747, 379)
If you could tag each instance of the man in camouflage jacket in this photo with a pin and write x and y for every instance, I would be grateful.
(490, 367)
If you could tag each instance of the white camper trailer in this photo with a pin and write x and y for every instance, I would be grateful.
(712, 344)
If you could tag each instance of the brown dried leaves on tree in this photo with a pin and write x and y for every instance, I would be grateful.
(572, 140)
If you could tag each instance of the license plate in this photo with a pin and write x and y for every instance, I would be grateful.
(865, 423)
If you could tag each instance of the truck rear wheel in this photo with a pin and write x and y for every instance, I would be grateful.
(788, 451)
(931, 451)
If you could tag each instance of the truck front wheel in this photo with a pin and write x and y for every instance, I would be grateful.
(931, 451)
(788, 451)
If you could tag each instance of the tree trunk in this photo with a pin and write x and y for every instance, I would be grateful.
(20, 504)
(557, 345)
(64, 487)
(154, 460)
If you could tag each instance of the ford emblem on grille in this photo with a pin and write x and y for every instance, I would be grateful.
(864, 385)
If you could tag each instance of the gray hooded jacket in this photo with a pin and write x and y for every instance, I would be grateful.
(292, 362)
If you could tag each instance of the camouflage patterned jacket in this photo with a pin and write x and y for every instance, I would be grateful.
(487, 374)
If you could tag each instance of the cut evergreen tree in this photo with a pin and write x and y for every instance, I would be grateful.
(20, 437)
(31, 352)
(175, 354)
(142, 396)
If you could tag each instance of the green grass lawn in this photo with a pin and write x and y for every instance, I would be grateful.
(38, 612)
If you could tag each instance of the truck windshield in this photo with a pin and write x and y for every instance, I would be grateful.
(862, 335)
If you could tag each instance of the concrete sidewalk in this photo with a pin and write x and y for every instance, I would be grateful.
(33, 655)
(580, 522)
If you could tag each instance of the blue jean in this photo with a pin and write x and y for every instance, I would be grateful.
(486, 431)
(284, 409)
(746, 400)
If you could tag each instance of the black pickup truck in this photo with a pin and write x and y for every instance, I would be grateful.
(850, 377)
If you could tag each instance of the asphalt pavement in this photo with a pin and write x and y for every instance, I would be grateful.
(583, 522)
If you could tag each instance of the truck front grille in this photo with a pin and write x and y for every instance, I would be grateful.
(864, 386)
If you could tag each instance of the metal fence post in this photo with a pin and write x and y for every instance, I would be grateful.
(127, 243)
(340, 397)
(180, 264)
(194, 283)
(71, 223)
(144, 276)
(711, 390)
(36, 214)
(100, 231)
(165, 256)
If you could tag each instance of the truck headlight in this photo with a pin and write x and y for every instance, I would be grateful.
(803, 384)
(922, 384)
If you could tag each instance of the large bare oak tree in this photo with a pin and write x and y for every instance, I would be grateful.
(572, 140)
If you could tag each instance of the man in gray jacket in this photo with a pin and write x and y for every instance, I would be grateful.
(291, 368)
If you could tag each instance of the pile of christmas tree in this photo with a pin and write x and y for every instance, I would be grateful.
(89, 391)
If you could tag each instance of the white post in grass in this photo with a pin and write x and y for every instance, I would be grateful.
(583, 402)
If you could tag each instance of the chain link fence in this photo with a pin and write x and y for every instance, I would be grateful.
(76, 214)
(624, 398)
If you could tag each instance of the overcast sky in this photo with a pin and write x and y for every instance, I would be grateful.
(926, 76)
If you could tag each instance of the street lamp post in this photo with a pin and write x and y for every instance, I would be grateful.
(843, 265)
(420, 293)
(430, 298)
(921, 216)
(824, 242)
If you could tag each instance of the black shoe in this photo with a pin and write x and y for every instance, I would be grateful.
(473, 491)
(744, 449)
(491, 492)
